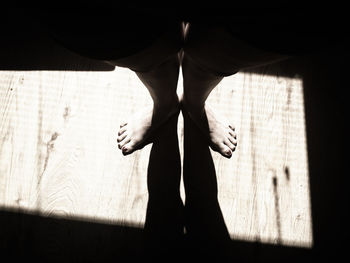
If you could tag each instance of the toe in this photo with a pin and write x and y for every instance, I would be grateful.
(122, 130)
(233, 134)
(124, 142)
(230, 145)
(225, 151)
(128, 148)
(123, 124)
(232, 127)
(232, 140)
(121, 137)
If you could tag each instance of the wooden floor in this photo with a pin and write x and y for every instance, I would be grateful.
(59, 156)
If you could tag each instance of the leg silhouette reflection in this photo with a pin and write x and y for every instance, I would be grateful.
(206, 230)
(166, 216)
(164, 226)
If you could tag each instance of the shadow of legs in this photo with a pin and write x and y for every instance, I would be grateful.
(207, 234)
(164, 225)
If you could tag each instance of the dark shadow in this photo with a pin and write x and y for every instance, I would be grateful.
(26, 237)
(164, 224)
(206, 232)
(296, 64)
(326, 83)
(207, 235)
(26, 44)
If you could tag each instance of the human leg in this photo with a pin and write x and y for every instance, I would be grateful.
(210, 54)
(145, 40)
(158, 68)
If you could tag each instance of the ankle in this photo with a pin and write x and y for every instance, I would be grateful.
(192, 104)
(167, 103)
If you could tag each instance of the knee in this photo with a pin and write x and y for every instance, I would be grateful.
(206, 48)
(206, 64)
(164, 48)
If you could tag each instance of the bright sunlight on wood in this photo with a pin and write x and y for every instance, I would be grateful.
(59, 155)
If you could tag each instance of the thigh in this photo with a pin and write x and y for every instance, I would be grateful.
(216, 49)
(163, 48)
(109, 34)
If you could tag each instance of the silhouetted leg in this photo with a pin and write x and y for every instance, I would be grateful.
(158, 68)
(210, 54)
(144, 40)
(164, 226)
(205, 226)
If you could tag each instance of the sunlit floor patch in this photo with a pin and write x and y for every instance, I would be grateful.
(264, 189)
(58, 154)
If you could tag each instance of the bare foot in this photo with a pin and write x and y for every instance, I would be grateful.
(221, 135)
(135, 133)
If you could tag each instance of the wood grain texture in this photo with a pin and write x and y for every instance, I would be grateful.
(264, 188)
(59, 156)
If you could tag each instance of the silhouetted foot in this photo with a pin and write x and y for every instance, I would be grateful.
(135, 133)
(221, 135)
